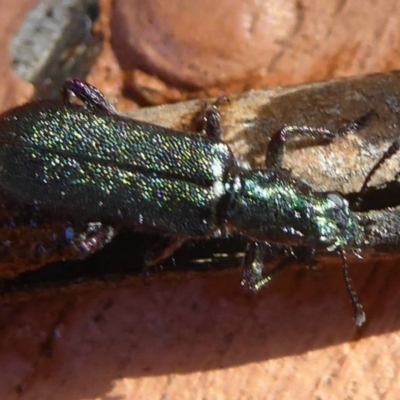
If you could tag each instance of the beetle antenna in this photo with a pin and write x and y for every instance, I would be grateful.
(359, 314)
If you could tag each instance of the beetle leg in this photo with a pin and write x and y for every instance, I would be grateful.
(90, 96)
(94, 238)
(162, 249)
(276, 147)
(255, 279)
(211, 118)
(25, 229)
(253, 276)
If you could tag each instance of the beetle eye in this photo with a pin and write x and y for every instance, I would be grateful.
(338, 200)
(340, 210)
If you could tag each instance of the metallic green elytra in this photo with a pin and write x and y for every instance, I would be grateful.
(89, 163)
